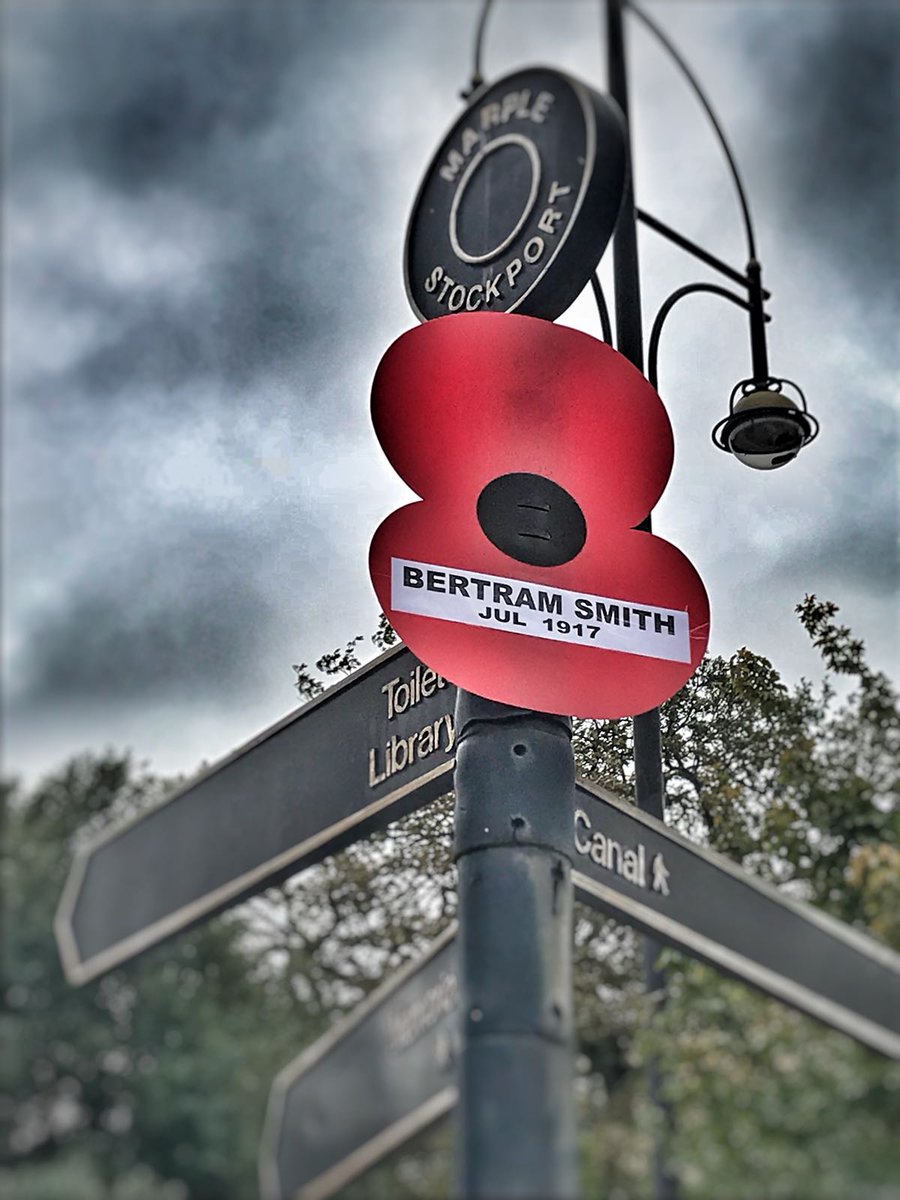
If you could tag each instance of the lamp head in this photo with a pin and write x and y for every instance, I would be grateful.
(765, 428)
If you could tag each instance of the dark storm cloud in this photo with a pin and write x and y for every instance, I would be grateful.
(182, 613)
(137, 94)
(212, 196)
(827, 75)
(176, 100)
(863, 554)
(253, 316)
(249, 320)
(821, 83)
(213, 128)
(852, 536)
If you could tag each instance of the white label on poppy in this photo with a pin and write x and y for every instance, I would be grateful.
(538, 610)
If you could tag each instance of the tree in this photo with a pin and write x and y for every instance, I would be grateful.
(157, 1072)
(798, 785)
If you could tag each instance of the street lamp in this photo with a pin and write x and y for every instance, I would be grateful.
(765, 428)
(768, 422)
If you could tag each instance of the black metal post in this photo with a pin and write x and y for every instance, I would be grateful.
(759, 354)
(648, 779)
(629, 341)
(515, 804)
(629, 329)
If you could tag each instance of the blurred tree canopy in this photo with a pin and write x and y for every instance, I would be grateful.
(152, 1081)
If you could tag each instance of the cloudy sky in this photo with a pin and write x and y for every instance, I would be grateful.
(205, 206)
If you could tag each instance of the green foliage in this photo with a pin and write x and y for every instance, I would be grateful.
(799, 787)
(384, 636)
(336, 662)
(159, 1071)
(768, 1099)
(789, 782)
(340, 661)
(336, 930)
(74, 1175)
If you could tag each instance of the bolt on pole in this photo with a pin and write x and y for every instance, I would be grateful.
(515, 804)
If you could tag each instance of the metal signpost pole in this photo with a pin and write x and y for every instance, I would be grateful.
(515, 767)
(629, 341)
(515, 798)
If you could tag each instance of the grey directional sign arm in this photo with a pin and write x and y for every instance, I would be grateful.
(382, 743)
(632, 866)
(381, 1075)
(367, 751)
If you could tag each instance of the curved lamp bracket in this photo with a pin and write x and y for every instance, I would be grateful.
(667, 306)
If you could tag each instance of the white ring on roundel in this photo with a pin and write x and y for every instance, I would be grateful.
(509, 139)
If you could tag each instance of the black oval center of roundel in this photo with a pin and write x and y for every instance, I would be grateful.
(532, 519)
(495, 199)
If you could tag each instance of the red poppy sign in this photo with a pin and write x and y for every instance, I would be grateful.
(519, 575)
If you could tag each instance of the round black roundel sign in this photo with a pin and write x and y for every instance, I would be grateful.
(520, 200)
